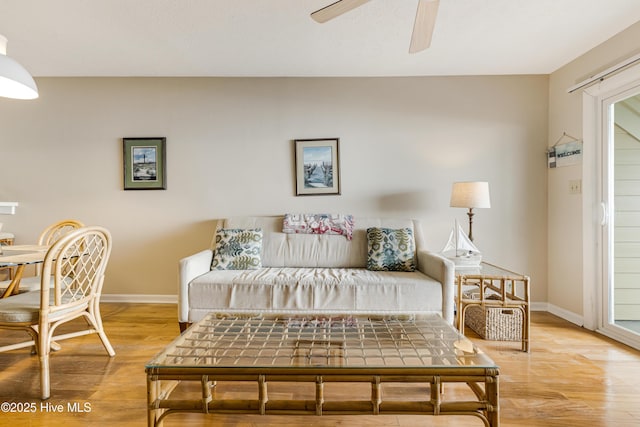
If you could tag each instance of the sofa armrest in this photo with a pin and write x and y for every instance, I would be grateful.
(188, 269)
(443, 270)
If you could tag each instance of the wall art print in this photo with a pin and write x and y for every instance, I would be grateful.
(317, 166)
(144, 163)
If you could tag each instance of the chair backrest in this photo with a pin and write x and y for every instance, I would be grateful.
(75, 264)
(54, 232)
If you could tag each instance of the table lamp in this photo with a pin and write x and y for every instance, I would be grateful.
(470, 195)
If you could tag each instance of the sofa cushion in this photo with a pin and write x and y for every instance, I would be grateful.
(237, 249)
(309, 290)
(319, 224)
(391, 249)
(317, 250)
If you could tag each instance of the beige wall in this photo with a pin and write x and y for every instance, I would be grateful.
(229, 141)
(565, 293)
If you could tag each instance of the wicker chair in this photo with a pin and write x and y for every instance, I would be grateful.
(48, 236)
(77, 264)
(54, 232)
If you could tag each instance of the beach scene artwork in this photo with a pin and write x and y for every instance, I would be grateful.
(318, 167)
(144, 163)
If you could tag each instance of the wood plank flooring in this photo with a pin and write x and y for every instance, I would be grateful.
(572, 377)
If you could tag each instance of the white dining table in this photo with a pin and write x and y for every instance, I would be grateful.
(19, 256)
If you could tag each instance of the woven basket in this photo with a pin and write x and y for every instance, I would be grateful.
(495, 323)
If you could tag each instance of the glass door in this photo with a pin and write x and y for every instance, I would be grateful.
(625, 192)
(621, 217)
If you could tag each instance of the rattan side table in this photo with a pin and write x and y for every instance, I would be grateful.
(492, 287)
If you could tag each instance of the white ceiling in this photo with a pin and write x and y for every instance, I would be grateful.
(278, 38)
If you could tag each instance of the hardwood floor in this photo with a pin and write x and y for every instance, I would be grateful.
(572, 377)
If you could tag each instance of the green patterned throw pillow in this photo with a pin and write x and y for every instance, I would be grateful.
(391, 249)
(237, 249)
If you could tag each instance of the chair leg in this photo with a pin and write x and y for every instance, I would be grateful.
(34, 350)
(45, 387)
(95, 318)
(43, 348)
(106, 343)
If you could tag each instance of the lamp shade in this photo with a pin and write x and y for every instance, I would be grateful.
(15, 81)
(470, 195)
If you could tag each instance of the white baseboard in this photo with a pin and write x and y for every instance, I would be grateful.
(567, 315)
(141, 299)
(173, 299)
(539, 306)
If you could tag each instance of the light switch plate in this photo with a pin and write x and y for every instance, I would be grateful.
(575, 186)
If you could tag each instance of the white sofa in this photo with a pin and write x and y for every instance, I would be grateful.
(315, 274)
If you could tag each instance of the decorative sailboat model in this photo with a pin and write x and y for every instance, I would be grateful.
(461, 250)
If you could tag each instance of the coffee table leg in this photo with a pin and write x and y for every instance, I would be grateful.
(376, 394)
(263, 396)
(152, 395)
(436, 388)
(206, 393)
(319, 394)
(492, 391)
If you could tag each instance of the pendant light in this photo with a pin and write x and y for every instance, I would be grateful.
(15, 81)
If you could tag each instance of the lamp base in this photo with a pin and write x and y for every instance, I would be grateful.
(470, 213)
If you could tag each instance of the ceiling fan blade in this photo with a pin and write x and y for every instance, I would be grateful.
(336, 9)
(424, 24)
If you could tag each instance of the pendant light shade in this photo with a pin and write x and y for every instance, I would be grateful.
(15, 81)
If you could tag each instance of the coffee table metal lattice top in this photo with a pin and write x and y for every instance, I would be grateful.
(319, 350)
(349, 342)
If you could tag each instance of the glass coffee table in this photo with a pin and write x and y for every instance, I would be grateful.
(321, 350)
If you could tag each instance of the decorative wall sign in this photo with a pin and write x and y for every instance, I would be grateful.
(569, 153)
(317, 166)
(144, 163)
(566, 153)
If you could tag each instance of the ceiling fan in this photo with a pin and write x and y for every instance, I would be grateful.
(422, 27)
